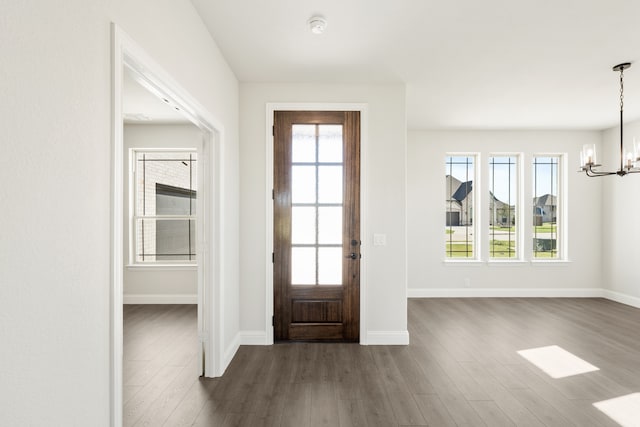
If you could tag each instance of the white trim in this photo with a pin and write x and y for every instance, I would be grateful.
(253, 338)
(162, 267)
(621, 298)
(117, 230)
(161, 299)
(231, 350)
(363, 108)
(388, 338)
(126, 53)
(505, 293)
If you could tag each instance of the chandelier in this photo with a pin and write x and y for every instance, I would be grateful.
(628, 160)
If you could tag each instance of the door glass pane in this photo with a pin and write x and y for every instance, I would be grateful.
(303, 184)
(303, 225)
(330, 143)
(303, 147)
(303, 266)
(329, 266)
(330, 225)
(330, 184)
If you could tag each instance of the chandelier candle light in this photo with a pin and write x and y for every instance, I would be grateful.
(628, 160)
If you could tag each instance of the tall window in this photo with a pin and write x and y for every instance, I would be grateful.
(165, 206)
(459, 219)
(503, 197)
(545, 206)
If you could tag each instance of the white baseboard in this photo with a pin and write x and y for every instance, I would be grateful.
(253, 338)
(161, 299)
(505, 293)
(387, 338)
(622, 298)
(230, 352)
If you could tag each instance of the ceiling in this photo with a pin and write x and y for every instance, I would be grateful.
(466, 64)
(141, 106)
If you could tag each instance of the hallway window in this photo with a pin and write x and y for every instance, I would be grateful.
(459, 206)
(165, 207)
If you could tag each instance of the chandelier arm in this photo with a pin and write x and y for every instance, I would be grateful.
(593, 173)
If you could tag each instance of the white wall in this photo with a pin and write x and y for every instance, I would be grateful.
(55, 138)
(621, 227)
(384, 209)
(429, 275)
(149, 284)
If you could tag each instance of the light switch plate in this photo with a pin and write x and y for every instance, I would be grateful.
(379, 240)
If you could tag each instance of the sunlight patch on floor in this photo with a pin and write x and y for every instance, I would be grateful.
(557, 362)
(625, 410)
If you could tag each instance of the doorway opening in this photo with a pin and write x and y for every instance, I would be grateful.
(129, 58)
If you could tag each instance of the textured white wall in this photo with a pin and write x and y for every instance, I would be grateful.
(620, 226)
(385, 202)
(149, 281)
(55, 138)
(425, 215)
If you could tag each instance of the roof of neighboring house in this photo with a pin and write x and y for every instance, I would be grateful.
(463, 191)
(499, 204)
(453, 184)
(546, 200)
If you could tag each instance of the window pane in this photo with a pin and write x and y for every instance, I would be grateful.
(303, 225)
(303, 184)
(330, 225)
(330, 184)
(545, 207)
(330, 143)
(303, 147)
(303, 266)
(165, 240)
(503, 196)
(330, 266)
(174, 200)
(165, 184)
(459, 214)
(168, 170)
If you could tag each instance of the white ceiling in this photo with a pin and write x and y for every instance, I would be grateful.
(467, 64)
(139, 105)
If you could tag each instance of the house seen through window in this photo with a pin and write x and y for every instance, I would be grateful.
(503, 196)
(165, 206)
(459, 220)
(545, 207)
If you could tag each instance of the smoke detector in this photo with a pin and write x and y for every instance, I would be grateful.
(317, 24)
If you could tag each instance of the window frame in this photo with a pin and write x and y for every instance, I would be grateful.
(562, 241)
(519, 212)
(133, 204)
(475, 206)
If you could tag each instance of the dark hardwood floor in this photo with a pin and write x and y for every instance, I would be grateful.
(461, 369)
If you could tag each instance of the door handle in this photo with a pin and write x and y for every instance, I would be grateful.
(354, 255)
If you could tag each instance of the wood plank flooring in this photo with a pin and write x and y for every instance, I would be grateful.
(461, 369)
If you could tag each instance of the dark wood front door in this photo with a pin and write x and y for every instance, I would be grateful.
(317, 225)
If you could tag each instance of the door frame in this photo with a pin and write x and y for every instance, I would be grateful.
(364, 137)
(126, 53)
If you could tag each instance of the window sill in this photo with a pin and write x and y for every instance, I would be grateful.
(501, 263)
(470, 262)
(540, 262)
(162, 267)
